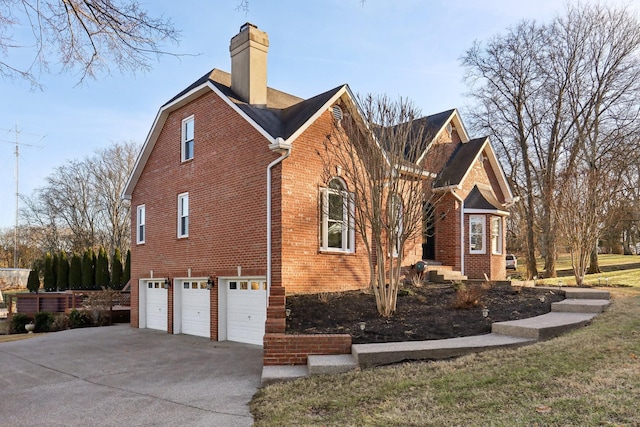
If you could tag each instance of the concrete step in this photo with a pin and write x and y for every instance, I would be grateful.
(281, 373)
(444, 277)
(438, 267)
(331, 364)
(543, 327)
(586, 293)
(369, 355)
(574, 305)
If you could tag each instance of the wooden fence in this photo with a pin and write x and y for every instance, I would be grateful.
(59, 302)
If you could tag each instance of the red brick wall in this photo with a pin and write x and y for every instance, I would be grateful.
(447, 231)
(282, 349)
(226, 181)
(305, 269)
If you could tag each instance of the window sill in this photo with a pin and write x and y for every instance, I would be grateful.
(325, 251)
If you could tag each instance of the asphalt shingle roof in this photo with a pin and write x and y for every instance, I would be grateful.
(281, 117)
(482, 198)
(459, 163)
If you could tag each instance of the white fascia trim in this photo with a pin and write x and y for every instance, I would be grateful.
(416, 171)
(161, 117)
(153, 134)
(475, 159)
(318, 113)
(447, 188)
(487, 211)
(436, 136)
(249, 120)
(456, 195)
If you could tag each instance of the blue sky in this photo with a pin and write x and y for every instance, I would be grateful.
(408, 48)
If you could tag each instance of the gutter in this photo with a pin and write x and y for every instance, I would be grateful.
(284, 149)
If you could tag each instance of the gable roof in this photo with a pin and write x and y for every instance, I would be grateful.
(285, 116)
(437, 123)
(482, 198)
(461, 161)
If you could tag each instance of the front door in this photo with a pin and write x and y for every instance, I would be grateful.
(428, 233)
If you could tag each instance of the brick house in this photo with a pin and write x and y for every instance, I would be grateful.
(226, 198)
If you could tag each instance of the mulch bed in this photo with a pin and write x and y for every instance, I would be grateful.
(423, 313)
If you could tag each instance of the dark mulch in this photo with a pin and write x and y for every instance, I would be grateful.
(423, 313)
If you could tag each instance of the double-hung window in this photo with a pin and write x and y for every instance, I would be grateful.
(187, 138)
(140, 224)
(496, 235)
(476, 234)
(337, 231)
(183, 215)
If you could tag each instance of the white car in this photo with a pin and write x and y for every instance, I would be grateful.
(512, 262)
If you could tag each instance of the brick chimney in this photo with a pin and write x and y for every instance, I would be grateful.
(249, 64)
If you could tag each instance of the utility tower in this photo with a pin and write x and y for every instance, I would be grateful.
(18, 144)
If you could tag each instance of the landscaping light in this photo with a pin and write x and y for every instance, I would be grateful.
(541, 298)
(362, 325)
(288, 311)
(485, 312)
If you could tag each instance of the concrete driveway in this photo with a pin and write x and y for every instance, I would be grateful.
(117, 375)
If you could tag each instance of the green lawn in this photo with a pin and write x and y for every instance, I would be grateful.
(617, 270)
(589, 377)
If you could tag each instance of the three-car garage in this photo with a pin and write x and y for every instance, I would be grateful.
(240, 315)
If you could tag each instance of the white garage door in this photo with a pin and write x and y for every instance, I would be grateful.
(196, 303)
(157, 304)
(246, 310)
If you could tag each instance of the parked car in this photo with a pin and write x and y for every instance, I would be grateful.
(512, 262)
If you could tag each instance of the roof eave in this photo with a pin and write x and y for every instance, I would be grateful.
(161, 117)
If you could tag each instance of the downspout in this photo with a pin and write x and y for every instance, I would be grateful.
(462, 244)
(462, 247)
(281, 147)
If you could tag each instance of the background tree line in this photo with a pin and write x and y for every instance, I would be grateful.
(560, 102)
(90, 271)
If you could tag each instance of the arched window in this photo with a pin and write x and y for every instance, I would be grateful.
(336, 231)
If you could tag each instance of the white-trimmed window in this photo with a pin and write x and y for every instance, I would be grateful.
(337, 231)
(183, 215)
(188, 130)
(476, 234)
(140, 224)
(496, 235)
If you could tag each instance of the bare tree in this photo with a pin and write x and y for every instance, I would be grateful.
(110, 169)
(550, 94)
(583, 199)
(88, 35)
(377, 150)
(80, 207)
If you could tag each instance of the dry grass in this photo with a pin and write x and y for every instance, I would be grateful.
(589, 377)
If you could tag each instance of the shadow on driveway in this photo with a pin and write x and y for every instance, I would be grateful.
(119, 375)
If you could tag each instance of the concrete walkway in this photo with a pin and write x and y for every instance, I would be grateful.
(121, 376)
(578, 309)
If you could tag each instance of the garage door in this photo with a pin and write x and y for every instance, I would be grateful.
(196, 303)
(246, 310)
(156, 305)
